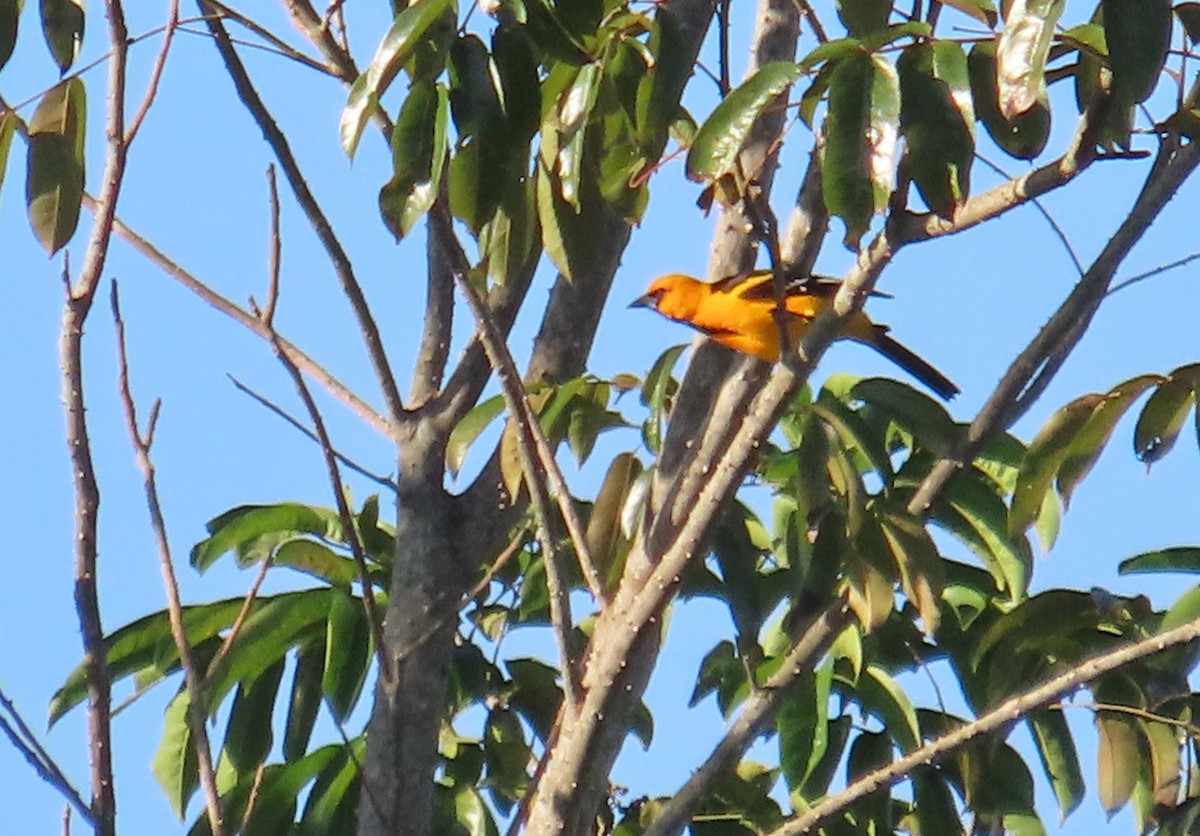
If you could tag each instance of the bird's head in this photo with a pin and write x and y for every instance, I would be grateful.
(674, 295)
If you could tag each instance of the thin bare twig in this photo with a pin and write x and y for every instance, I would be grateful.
(999, 717)
(160, 64)
(317, 220)
(25, 741)
(216, 666)
(1149, 274)
(350, 528)
(263, 400)
(281, 46)
(197, 713)
(311, 367)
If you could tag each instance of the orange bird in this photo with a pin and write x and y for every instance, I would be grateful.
(739, 312)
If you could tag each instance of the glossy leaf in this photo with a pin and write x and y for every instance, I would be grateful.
(174, 765)
(347, 654)
(880, 694)
(978, 516)
(1056, 748)
(410, 27)
(8, 127)
(1045, 456)
(1177, 559)
(10, 14)
(1138, 33)
(248, 734)
(418, 155)
(62, 24)
(720, 139)
(1162, 417)
(55, 164)
(250, 531)
(1023, 136)
(1189, 17)
(1090, 441)
(1022, 52)
(1117, 760)
(937, 119)
(304, 700)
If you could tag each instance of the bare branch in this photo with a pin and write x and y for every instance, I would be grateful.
(160, 64)
(316, 218)
(1149, 274)
(277, 44)
(328, 382)
(994, 720)
(434, 350)
(197, 713)
(25, 741)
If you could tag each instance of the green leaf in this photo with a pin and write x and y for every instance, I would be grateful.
(935, 807)
(1045, 455)
(318, 560)
(658, 388)
(880, 694)
(982, 10)
(418, 155)
(1022, 52)
(922, 578)
(1090, 441)
(304, 700)
(938, 120)
(248, 735)
(537, 694)
(333, 802)
(912, 410)
(1023, 136)
(62, 24)
(1175, 559)
(55, 164)
(1117, 760)
(411, 26)
(135, 647)
(467, 430)
(1189, 17)
(719, 141)
(174, 764)
(511, 238)
(10, 14)
(8, 126)
(863, 17)
(659, 91)
(347, 654)
(858, 167)
(569, 236)
(978, 516)
(855, 434)
(1162, 417)
(1056, 748)
(1138, 33)
(803, 727)
(605, 537)
(274, 808)
(252, 531)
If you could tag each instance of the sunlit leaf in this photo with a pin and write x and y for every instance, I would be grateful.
(1023, 136)
(1045, 456)
(1022, 52)
(55, 164)
(1177, 559)
(174, 765)
(1056, 748)
(418, 155)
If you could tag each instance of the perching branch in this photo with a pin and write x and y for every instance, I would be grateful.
(197, 712)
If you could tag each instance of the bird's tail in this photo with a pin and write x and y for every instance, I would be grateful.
(906, 359)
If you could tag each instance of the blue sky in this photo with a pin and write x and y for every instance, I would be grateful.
(196, 188)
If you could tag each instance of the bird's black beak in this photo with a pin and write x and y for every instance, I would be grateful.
(649, 300)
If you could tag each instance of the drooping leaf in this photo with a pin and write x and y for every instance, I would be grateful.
(1046, 453)
(604, 535)
(347, 654)
(1022, 52)
(1163, 415)
(248, 734)
(421, 19)
(1056, 748)
(10, 14)
(1189, 16)
(1138, 33)
(937, 119)
(174, 765)
(55, 164)
(418, 155)
(1090, 441)
(1024, 136)
(1117, 760)
(62, 24)
(304, 700)
(8, 127)
(720, 139)
(982, 10)
(845, 164)
(468, 429)
(863, 17)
